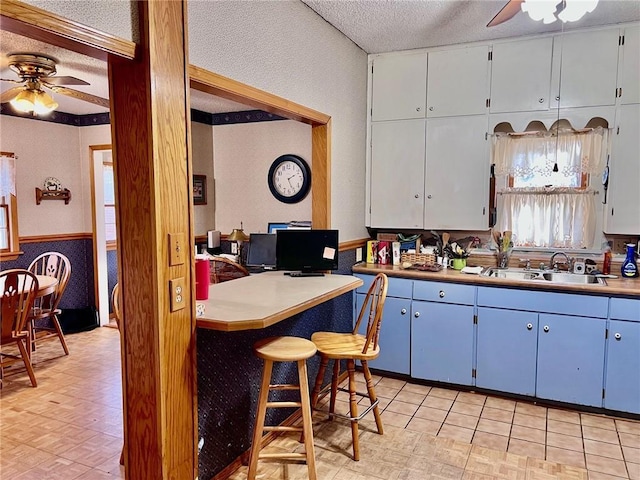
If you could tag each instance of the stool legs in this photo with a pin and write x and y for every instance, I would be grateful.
(372, 395)
(307, 425)
(260, 416)
(353, 408)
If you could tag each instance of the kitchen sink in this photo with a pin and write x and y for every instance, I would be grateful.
(543, 276)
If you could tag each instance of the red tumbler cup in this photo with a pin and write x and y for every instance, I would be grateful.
(202, 279)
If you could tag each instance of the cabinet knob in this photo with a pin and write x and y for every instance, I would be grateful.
(541, 100)
(441, 294)
(403, 311)
(417, 195)
(417, 314)
(529, 326)
(546, 328)
(428, 196)
(418, 109)
(617, 336)
(431, 109)
(558, 98)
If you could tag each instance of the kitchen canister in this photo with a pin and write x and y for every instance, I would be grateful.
(202, 277)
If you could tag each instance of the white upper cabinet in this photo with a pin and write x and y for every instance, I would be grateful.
(458, 82)
(397, 174)
(457, 173)
(622, 214)
(585, 66)
(399, 87)
(630, 71)
(521, 75)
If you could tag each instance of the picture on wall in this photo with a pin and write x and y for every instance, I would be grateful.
(199, 189)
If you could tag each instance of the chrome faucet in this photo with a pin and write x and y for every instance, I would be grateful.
(568, 263)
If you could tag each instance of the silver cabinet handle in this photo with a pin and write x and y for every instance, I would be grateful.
(417, 314)
(617, 336)
(441, 294)
(546, 328)
(431, 109)
(541, 100)
(558, 98)
(529, 326)
(403, 311)
(428, 196)
(417, 195)
(418, 109)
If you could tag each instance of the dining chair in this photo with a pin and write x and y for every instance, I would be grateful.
(43, 322)
(115, 302)
(223, 270)
(351, 347)
(19, 289)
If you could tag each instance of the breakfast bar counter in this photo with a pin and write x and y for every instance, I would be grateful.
(237, 314)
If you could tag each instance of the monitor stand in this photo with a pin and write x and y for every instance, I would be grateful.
(304, 274)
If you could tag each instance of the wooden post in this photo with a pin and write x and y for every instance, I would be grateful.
(151, 144)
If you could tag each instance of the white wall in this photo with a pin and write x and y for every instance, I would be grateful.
(243, 155)
(46, 149)
(203, 161)
(285, 48)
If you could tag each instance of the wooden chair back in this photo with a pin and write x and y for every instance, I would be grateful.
(52, 264)
(115, 302)
(223, 270)
(372, 311)
(18, 294)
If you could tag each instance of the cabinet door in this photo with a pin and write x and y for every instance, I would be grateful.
(585, 68)
(458, 82)
(394, 334)
(506, 350)
(622, 385)
(570, 359)
(630, 74)
(622, 215)
(399, 87)
(397, 174)
(442, 342)
(457, 174)
(521, 75)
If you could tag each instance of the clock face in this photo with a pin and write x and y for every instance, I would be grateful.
(289, 178)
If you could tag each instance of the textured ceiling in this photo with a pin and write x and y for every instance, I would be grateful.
(374, 25)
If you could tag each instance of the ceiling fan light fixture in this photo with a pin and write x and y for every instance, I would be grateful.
(24, 101)
(44, 104)
(35, 101)
(567, 10)
(540, 10)
(574, 10)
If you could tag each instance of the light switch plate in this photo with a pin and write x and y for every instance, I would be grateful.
(177, 246)
(177, 294)
(359, 254)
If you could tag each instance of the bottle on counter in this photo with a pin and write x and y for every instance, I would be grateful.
(629, 267)
(606, 264)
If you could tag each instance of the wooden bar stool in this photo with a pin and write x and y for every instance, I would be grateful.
(284, 349)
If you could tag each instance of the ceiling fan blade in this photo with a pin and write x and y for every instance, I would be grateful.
(65, 81)
(508, 11)
(9, 94)
(87, 97)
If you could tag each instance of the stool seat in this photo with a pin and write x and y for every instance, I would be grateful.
(285, 349)
(344, 346)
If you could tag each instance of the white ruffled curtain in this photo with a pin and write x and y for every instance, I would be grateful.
(7, 176)
(556, 217)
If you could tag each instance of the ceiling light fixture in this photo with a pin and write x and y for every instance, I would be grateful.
(550, 10)
(33, 99)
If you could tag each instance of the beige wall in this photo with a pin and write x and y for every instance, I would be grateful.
(243, 155)
(203, 161)
(46, 149)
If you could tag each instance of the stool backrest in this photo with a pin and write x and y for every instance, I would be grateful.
(372, 311)
(115, 301)
(223, 270)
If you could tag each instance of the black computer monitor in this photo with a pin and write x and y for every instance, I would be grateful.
(307, 250)
(262, 250)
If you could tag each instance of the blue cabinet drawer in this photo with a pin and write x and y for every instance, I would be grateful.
(625, 309)
(545, 302)
(398, 287)
(444, 292)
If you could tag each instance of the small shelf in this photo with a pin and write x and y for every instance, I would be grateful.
(64, 194)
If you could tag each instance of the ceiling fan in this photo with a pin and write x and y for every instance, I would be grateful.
(546, 10)
(36, 72)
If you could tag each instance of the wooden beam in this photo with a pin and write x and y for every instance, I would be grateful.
(33, 22)
(150, 118)
(321, 175)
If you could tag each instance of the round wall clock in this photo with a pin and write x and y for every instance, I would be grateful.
(289, 178)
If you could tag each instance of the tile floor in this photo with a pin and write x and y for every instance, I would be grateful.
(70, 427)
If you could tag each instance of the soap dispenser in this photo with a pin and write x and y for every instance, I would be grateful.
(629, 267)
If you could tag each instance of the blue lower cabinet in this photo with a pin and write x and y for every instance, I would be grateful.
(506, 350)
(570, 359)
(622, 383)
(442, 342)
(394, 334)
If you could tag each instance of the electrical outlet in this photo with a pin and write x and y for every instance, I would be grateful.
(359, 254)
(234, 248)
(177, 244)
(177, 292)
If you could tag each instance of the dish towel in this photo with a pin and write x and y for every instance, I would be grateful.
(472, 270)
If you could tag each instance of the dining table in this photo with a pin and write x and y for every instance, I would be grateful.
(46, 285)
